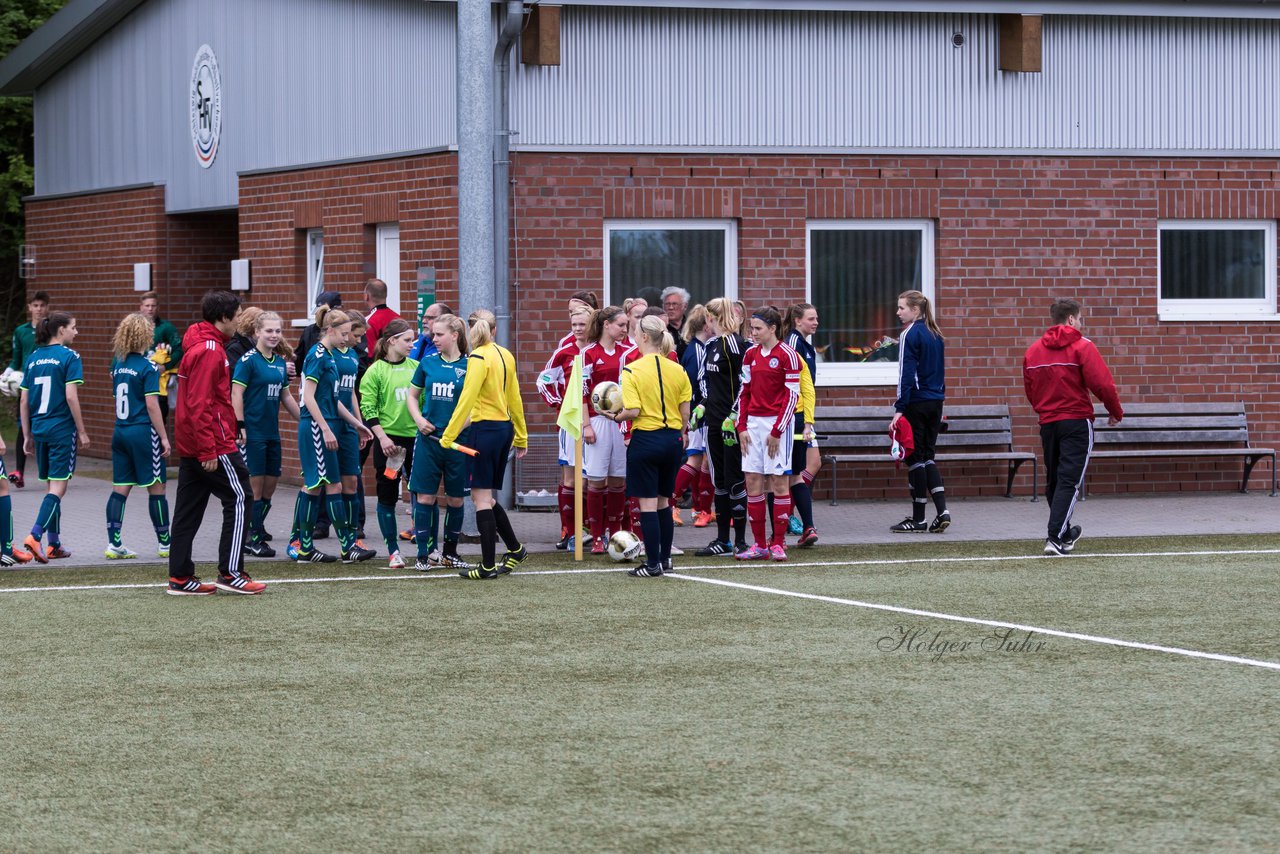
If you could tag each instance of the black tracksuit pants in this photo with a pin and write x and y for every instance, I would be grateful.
(230, 483)
(1067, 445)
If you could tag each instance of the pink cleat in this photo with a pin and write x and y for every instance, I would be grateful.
(777, 553)
(756, 552)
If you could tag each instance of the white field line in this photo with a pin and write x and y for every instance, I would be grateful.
(1150, 647)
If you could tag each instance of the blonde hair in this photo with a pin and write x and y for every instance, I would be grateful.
(247, 320)
(631, 302)
(695, 320)
(654, 329)
(135, 334)
(582, 309)
(721, 309)
(483, 324)
(327, 318)
(282, 348)
(458, 327)
(920, 302)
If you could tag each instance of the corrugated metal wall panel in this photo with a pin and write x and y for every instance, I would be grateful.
(302, 81)
(670, 78)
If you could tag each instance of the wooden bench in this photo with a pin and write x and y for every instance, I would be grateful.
(860, 434)
(1180, 430)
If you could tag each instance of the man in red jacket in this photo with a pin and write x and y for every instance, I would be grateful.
(205, 434)
(375, 295)
(1058, 372)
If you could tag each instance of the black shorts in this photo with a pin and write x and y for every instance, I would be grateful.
(653, 459)
(925, 418)
(492, 442)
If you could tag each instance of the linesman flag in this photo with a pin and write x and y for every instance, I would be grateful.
(570, 419)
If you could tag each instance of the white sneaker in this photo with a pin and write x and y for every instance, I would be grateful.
(162, 551)
(396, 562)
(676, 550)
(120, 552)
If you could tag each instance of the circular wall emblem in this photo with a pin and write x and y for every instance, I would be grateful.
(206, 106)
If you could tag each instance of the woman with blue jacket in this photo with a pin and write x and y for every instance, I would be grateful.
(921, 390)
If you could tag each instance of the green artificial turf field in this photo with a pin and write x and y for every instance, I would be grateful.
(591, 711)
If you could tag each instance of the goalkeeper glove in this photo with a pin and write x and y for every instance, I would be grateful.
(162, 354)
(728, 431)
(695, 420)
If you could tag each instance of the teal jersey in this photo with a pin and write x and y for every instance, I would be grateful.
(348, 362)
(321, 370)
(49, 370)
(441, 385)
(263, 379)
(131, 381)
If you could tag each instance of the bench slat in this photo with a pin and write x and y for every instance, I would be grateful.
(1188, 452)
(1174, 409)
(1119, 435)
(1163, 422)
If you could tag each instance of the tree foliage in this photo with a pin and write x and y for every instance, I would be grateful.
(18, 19)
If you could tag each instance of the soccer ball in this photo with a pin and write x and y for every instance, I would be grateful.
(624, 545)
(607, 397)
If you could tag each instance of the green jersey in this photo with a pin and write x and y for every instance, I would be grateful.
(24, 344)
(384, 395)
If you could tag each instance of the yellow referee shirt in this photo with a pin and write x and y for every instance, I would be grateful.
(489, 393)
(656, 386)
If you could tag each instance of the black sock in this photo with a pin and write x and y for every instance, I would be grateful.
(723, 516)
(802, 496)
(488, 537)
(738, 505)
(651, 528)
(503, 525)
(933, 478)
(917, 480)
(667, 530)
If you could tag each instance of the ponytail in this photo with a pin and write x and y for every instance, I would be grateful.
(599, 319)
(52, 325)
(917, 300)
(394, 328)
(794, 313)
(483, 324)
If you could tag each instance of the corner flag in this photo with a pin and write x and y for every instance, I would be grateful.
(570, 419)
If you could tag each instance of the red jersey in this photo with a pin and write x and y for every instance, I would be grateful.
(600, 366)
(633, 353)
(770, 385)
(554, 377)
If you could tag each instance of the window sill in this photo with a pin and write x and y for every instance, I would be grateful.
(1204, 317)
(851, 376)
(301, 323)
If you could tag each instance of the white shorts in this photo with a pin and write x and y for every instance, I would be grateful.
(565, 454)
(755, 457)
(697, 442)
(607, 456)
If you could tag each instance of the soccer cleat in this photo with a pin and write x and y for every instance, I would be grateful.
(740, 547)
(453, 562)
(1073, 536)
(565, 541)
(715, 548)
(190, 587)
(314, 556)
(795, 526)
(480, 573)
(395, 561)
(675, 517)
(909, 526)
(292, 549)
(702, 519)
(17, 479)
(777, 553)
(597, 546)
(119, 553)
(266, 537)
(408, 535)
(1056, 548)
(259, 550)
(357, 553)
(808, 538)
(241, 583)
(18, 556)
(511, 560)
(676, 550)
(425, 564)
(940, 523)
(162, 550)
(35, 549)
(56, 552)
(756, 552)
(645, 571)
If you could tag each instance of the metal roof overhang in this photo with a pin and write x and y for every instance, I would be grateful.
(81, 22)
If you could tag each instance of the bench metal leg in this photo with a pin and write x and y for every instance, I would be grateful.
(835, 480)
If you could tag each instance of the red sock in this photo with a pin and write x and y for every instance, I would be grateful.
(756, 511)
(633, 515)
(566, 508)
(595, 510)
(706, 492)
(781, 518)
(684, 479)
(616, 512)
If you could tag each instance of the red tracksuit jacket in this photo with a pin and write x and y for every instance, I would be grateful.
(1058, 373)
(204, 422)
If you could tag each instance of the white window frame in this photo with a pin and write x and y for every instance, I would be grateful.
(728, 226)
(387, 262)
(1220, 309)
(870, 373)
(315, 275)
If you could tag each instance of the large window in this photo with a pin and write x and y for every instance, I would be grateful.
(642, 257)
(855, 271)
(1217, 269)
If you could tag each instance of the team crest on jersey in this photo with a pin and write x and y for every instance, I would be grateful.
(773, 363)
(459, 373)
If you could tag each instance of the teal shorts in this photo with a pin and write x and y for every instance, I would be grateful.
(319, 464)
(348, 450)
(432, 463)
(56, 458)
(136, 456)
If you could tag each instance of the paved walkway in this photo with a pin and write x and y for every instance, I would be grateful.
(850, 523)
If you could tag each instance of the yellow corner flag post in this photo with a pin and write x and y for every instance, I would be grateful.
(570, 421)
